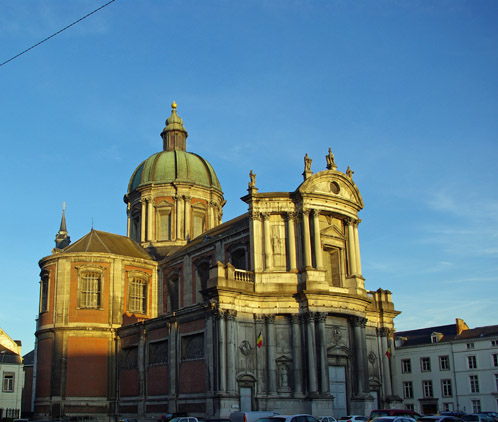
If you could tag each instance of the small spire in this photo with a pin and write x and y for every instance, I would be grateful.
(61, 238)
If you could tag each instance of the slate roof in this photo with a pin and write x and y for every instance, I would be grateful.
(449, 332)
(237, 223)
(103, 242)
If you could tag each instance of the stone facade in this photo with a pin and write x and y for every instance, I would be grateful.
(268, 311)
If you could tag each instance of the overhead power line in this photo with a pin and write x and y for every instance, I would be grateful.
(57, 33)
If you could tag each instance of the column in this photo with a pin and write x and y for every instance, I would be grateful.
(318, 242)
(128, 223)
(384, 338)
(297, 357)
(256, 240)
(143, 217)
(359, 354)
(324, 374)
(267, 236)
(351, 248)
(188, 213)
(222, 351)
(261, 353)
(292, 241)
(271, 362)
(149, 221)
(357, 247)
(311, 348)
(231, 348)
(177, 218)
(307, 239)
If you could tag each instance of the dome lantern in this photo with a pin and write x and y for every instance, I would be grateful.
(174, 134)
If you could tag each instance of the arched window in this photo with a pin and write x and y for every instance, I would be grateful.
(173, 292)
(45, 277)
(238, 257)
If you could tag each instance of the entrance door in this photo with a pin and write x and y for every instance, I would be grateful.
(245, 399)
(337, 387)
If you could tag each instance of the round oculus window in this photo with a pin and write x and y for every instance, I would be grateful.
(334, 187)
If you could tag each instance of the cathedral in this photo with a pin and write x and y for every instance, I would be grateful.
(267, 311)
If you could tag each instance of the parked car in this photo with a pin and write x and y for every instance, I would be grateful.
(184, 419)
(439, 418)
(327, 419)
(250, 416)
(476, 417)
(457, 414)
(374, 414)
(492, 415)
(289, 418)
(394, 419)
(353, 418)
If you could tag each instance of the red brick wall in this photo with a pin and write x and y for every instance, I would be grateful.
(158, 380)
(44, 368)
(87, 366)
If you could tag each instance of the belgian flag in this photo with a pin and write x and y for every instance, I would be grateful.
(259, 341)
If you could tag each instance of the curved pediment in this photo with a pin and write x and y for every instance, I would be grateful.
(334, 184)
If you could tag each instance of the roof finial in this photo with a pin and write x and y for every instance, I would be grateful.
(173, 106)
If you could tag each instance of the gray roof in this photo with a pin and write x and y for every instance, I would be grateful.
(103, 242)
(449, 332)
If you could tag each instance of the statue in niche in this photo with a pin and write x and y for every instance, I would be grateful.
(284, 376)
(330, 160)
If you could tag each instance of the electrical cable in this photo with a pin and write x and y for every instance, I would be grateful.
(57, 33)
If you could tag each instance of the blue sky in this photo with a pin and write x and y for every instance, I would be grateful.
(404, 92)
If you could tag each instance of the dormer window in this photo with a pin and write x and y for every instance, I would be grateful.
(435, 337)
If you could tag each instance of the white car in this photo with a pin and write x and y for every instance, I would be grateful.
(327, 419)
(353, 418)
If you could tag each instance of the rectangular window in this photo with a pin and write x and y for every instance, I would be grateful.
(494, 358)
(446, 407)
(494, 343)
(427, 389)
(474, 383)
(425, 364)
(476, 406)
(138, 296)
(409, 406)
(471, 362)
(8, 382)
(90, 290)
(446, 388)
(406, 366)
(444, 363)
(470, 346)
(408, 389)
(496, 382)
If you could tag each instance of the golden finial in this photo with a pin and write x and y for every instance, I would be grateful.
(173, 106)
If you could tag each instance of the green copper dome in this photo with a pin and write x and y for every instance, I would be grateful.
(174, 164)
(174, 167)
